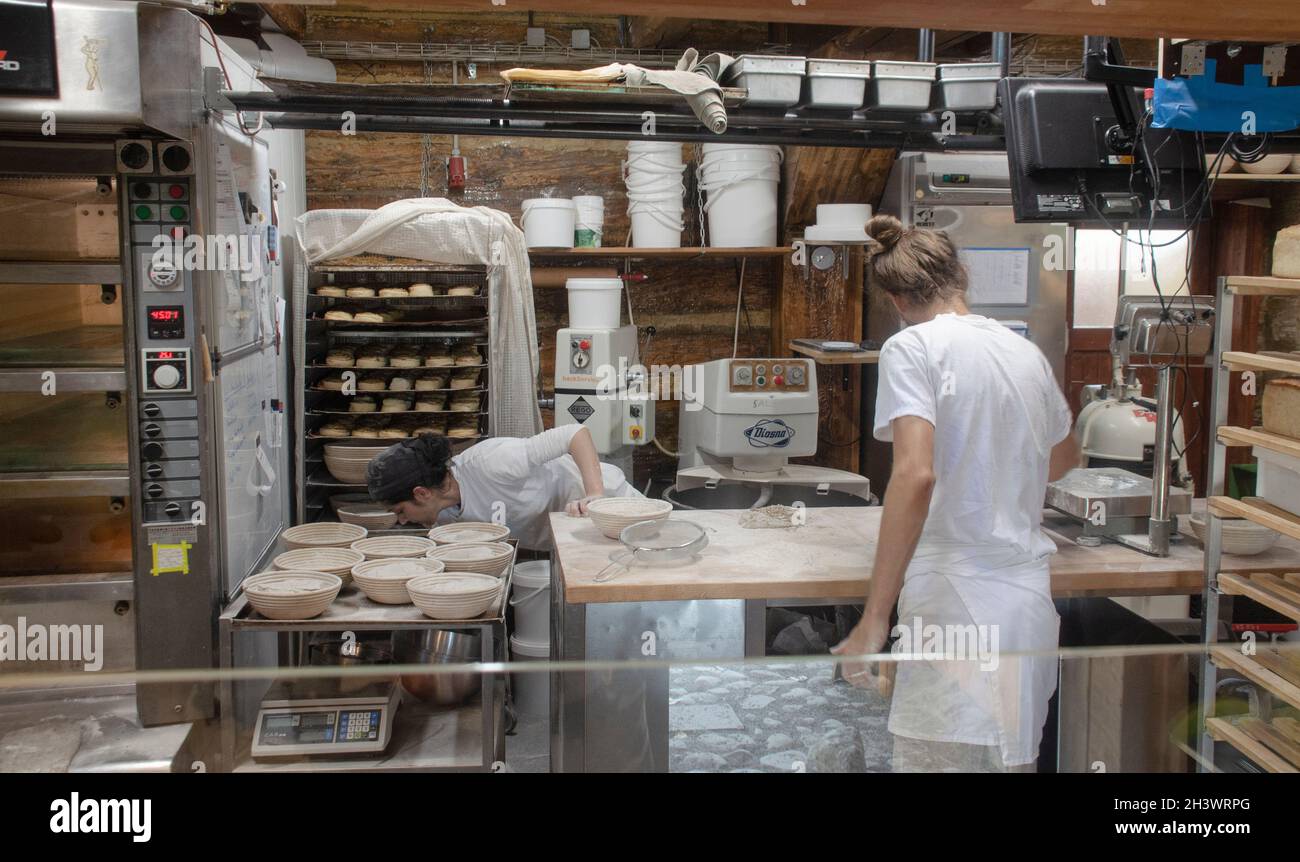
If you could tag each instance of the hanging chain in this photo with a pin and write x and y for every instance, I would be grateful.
(698, 153)
(426, 142)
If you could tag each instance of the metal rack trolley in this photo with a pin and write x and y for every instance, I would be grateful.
(1271, 749)
(413, 747)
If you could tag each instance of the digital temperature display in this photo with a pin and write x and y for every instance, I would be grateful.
(166, 321)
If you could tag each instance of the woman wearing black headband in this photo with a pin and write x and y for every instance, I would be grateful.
(516, 481)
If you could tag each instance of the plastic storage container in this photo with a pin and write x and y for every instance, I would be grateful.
(772, 81)
(836, 84)
(1278, 480)
(740, 183)
(532, 691)
(589, 224)
(898, 85)
(969, 86)
(654, 173)
(548, 222)
(531, 599)
(594, 303)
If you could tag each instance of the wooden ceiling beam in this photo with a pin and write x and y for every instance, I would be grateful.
(291, 19)
(1248, 20)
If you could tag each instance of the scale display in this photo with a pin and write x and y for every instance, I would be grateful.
(303, 720)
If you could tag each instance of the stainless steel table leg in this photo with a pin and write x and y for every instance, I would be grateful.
(226, 708)
(755, 628)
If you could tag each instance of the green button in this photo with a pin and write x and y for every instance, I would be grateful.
(178, 213)
(143, 212)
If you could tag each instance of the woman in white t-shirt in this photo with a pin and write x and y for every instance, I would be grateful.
(979, 427)
(516, 481)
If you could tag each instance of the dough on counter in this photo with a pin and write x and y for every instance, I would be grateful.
(338, 314)
(421, 289)
(362, 405)
(360, 292)
(394, 291)
(768, 517)
(330, 290)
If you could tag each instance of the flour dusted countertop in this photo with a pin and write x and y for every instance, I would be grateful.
(830, 557)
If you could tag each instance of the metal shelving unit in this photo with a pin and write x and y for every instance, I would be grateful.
(1272, 745)
(469, 737)
(427, 321)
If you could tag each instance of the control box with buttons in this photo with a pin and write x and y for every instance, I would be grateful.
(769, 375)
(165, 370)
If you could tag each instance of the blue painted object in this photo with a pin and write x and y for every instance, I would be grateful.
(1201, 104)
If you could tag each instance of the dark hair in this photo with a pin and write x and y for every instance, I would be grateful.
(423, 461)
(916, 265)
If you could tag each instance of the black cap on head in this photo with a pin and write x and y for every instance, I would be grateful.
(423, 461)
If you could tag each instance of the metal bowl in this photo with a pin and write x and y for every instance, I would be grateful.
(340, 652)
(439, 647)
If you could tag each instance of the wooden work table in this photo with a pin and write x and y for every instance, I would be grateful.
(830, 557)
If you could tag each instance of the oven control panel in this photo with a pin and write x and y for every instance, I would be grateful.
(166, 258)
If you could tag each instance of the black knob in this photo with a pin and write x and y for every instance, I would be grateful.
(154, 471)
(152, 410)
(152, 429)
(141, 190)
(176, 158)
(135, 156)
(154, 490)
(172, 509)
(152, 451)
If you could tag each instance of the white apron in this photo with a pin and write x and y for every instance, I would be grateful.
(976, 690)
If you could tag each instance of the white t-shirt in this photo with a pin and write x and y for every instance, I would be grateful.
(997, 412)
(521, 480)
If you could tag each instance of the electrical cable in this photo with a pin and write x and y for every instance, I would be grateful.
(740, 296)
(239, 115)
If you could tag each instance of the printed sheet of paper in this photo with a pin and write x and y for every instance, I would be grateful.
(998, 276)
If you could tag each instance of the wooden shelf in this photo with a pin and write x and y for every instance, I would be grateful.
(1252, 285)
(1231, 658)
(1255, 509)
(686, 252)
(1231, 435)
(1240, 361)
(1267, 589)
(837, 357)
(1245, 735)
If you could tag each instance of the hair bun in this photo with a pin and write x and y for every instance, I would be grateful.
(886, 230)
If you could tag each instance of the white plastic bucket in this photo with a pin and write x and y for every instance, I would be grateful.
(531, 599)
(594, 303)
(654, 174)
(589, 223)
(532, 691)
(548, 222)
(740, 184)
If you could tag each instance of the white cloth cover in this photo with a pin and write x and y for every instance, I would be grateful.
(439, 231)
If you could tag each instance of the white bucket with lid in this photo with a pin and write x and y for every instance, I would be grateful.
(589, 223)
(740, 184)
(594, 303)
(548, 222)
(532, 691)
(531, 598)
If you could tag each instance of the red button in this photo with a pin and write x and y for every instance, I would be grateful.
(778, 380)
(178, 233)
(176, 191)
(585, 344)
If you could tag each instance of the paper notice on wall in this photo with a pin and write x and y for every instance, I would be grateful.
(998, 276)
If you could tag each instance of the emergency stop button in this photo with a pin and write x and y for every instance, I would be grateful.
(584, 344)
(778, 380)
